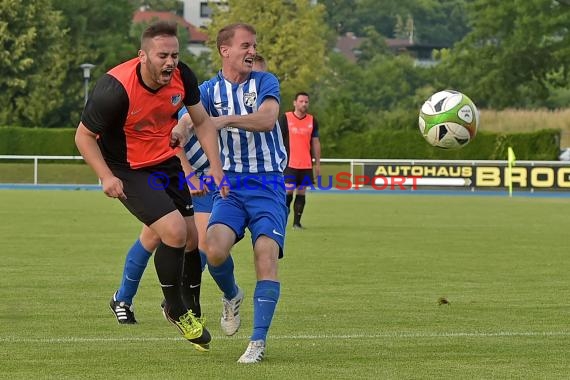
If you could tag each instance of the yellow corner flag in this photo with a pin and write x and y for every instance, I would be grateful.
(511, 162)
(511, 156)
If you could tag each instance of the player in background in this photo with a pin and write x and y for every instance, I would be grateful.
(128, 133)
(245, 107)
(303, 146)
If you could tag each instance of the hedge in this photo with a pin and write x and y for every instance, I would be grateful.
(405, 144)
(38, 141)
(388, 144)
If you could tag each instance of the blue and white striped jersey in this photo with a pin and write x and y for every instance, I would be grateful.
(242, 151)
(194, 151)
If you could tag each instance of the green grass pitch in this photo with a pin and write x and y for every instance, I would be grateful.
(359, 300)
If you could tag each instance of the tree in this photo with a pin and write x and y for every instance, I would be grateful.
(88, 42)
(336, 104)
(374, 44)
(439, 22)
(382, 15)
(291, 35)
(404, 30)
(383, 92)
(33, 61)
(339, 15)
(516, 51)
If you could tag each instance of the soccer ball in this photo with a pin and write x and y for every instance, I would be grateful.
(449, 120)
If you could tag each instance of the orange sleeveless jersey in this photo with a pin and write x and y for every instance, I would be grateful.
(150, 116)
(300, 136)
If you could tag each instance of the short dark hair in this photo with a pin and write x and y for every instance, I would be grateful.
(301, 93)
(258, 58)
(227, 32)
(159, 28)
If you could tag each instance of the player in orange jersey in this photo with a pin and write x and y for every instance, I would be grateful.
(304, 146)
(130, 136)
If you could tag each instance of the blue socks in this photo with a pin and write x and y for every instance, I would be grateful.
(135, 264)
(224, 277)
(265, 300)
(203, 260)
(265, 296)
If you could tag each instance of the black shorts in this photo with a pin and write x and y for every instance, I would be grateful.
(298, 177)
(155, 191)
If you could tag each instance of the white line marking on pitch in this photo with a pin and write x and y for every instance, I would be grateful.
(396, 335)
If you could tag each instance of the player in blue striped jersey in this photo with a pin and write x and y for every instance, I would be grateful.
(244, 106)
(246, 147)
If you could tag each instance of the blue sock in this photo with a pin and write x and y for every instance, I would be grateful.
(224, 277)
(203, 259)
(135, 264)
(265, 300)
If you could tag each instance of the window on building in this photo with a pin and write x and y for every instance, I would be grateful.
(205, 10)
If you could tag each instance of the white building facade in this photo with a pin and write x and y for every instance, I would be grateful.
(199, 12)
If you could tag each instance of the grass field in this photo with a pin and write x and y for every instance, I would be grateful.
(359, 292)
(48, 173)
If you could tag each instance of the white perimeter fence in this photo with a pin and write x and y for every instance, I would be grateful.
(472, 174)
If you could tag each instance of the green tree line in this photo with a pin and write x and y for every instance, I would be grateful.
(501, 53)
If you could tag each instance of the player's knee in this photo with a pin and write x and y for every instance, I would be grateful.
(215, 254)
(174, 235)
(219, 240)
(150, 242)
(266, 266)
(149, 239)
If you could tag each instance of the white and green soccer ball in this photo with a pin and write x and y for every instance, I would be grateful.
(449, 120)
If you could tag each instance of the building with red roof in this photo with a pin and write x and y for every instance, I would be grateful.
(196, 37)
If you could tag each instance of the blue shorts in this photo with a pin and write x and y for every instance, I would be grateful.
(204, 203)
(255, 201)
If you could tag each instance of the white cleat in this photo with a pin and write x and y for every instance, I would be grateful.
(254, 352)
(231, 319)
